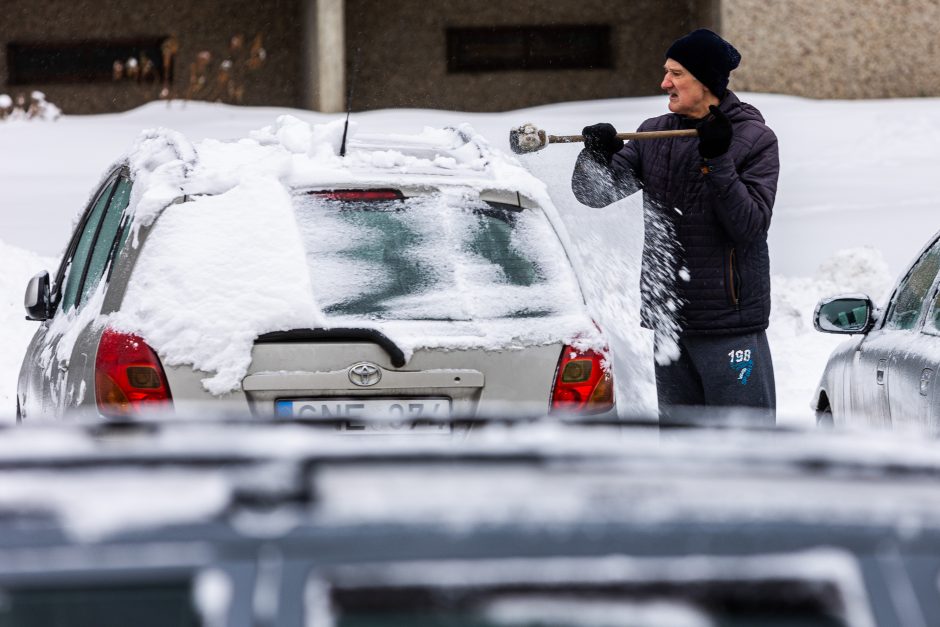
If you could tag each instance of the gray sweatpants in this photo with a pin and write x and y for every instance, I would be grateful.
(719, 371)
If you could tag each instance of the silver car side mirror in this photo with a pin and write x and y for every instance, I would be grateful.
(38, 299)
(849, 314)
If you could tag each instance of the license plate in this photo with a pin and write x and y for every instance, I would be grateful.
(409, 415)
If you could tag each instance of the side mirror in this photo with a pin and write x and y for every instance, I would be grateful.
(849, 314)
(38, 298)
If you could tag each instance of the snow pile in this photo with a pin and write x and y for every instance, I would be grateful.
(321, 141)
(37, 108)
(228, 264)
(858, 270)
(214, 273)
(159, 162)
(464, 155)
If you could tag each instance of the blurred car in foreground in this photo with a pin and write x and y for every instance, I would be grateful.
(413, 277)
(884, 375)
(542, 523)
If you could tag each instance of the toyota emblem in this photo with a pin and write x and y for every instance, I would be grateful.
(365, 374)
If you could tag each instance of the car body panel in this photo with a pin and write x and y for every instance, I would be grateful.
(833, 389)
(913, 367)
(869, 379)
(522, 377)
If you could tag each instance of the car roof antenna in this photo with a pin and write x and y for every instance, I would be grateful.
(342, 148)
(349, 93)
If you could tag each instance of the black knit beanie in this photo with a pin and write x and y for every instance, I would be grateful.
(708, 57)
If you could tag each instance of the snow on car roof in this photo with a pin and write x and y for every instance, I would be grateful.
(226, 262)
(165, 165)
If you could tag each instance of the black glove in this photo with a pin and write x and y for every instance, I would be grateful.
(601, 141)
(714, 134)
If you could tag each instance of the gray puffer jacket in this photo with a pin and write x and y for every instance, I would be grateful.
(719, 211)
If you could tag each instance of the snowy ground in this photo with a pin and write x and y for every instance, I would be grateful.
(855, 202)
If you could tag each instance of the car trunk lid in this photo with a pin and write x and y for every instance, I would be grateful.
(347, 375)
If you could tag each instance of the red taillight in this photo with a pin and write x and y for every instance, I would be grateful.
(128, 375)
(359, 194)
(582, 384)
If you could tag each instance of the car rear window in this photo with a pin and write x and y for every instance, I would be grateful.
(433, 257)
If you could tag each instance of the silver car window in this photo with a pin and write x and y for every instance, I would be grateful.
(905, 309)
(431, 258)
(932, 321)
(76, 265)
(106, 235)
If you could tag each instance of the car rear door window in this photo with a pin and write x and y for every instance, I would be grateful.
(905, 309)
(433, 257)
(77, 264)
(107, 233)
(932, 322)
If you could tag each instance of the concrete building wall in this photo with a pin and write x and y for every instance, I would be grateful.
(198, 25)
(395, 50)
(398, 50)
(835, 48)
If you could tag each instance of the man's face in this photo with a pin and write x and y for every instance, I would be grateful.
(687, 96)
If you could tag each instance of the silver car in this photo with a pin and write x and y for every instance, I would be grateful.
(438, 289)
(884, 375)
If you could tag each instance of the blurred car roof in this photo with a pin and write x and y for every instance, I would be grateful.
(561, 471)
(539, 503)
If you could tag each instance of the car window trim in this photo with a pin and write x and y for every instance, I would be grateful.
(119, 236)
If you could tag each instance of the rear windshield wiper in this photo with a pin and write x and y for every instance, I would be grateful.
(372, 336)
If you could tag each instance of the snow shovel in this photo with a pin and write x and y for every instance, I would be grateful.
(529, 138)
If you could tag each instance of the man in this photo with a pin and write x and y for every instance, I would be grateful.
(707, 207)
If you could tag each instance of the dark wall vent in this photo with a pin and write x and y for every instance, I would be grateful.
(502, 48)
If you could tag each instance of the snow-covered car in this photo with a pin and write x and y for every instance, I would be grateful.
(274, 523)
(884, 375)
(296, 274)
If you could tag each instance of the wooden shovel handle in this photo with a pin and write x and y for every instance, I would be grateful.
(570, 139)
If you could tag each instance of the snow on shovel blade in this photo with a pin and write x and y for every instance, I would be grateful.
(526, 138)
